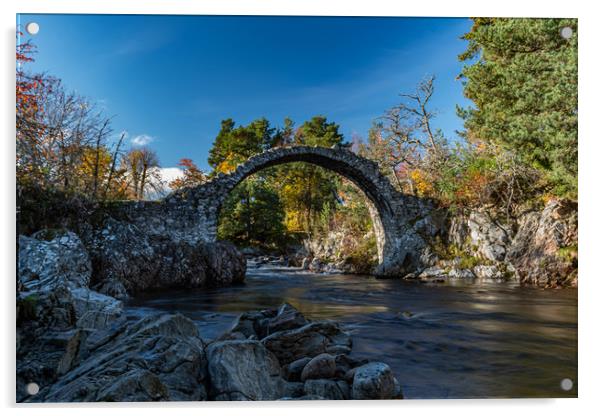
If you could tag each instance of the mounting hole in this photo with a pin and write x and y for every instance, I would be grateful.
(566, 384)
(32, 389)
(566, 32)
(32, 28)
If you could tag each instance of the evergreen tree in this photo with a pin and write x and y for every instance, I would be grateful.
(521, 75)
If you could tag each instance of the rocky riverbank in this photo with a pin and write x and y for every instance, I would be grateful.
(76, 345)
(539, 248)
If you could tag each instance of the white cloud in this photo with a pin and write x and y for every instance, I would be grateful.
(142, 140)
(159, 182)
(169, 174)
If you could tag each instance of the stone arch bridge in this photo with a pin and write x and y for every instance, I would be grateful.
(402, 222)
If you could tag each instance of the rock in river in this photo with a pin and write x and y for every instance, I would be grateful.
(243, 370)
(308, 341)
(373, 381)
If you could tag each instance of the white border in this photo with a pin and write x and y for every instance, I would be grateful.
(590, 200)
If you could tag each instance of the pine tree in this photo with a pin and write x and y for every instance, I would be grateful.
(521, 75)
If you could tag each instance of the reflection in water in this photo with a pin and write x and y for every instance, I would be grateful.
(455, 340)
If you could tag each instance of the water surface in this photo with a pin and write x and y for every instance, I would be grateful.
(452, 340)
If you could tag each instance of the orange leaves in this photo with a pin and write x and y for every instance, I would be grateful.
(193, 176)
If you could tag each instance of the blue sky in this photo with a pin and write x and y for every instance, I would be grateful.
(170, 80)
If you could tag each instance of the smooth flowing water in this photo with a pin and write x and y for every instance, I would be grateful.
(445, 340)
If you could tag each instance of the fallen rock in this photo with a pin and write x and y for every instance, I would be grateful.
(461, 274)
(94, 310)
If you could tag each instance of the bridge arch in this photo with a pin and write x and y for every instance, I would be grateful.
(195, 211)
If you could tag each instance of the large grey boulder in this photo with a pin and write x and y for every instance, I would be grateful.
(373, 381)
(94, 310)
(51, 258)
(308, 341)
(129, 260)
(160, 357)
(243, 370)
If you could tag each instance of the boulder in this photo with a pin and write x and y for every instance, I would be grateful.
(488, 272)
(123, 252)
(259, 324)
(461, 274)
(373, 381)
(432, 272)
(327, 389)
(243, 370)
(308, 341)
(94, 310)
(160, 357)
(292, 371)
(51, 258)
(321, 366)
(287, 317)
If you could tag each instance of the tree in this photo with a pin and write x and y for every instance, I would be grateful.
(193, 176)
(253, 215)
(306, 188)
(234, 145)
(522, 78)
(404, 143)
(141, 165)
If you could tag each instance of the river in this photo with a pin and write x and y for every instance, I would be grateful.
(442, 340)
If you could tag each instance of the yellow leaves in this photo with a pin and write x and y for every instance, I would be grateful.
(294, 221)
(229, 164)
(422, 183)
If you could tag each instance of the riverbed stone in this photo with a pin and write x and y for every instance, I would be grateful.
(286, 318)
(293, 370)
(308, 341)
(373, 381)
(321, 366)
(328, 389)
